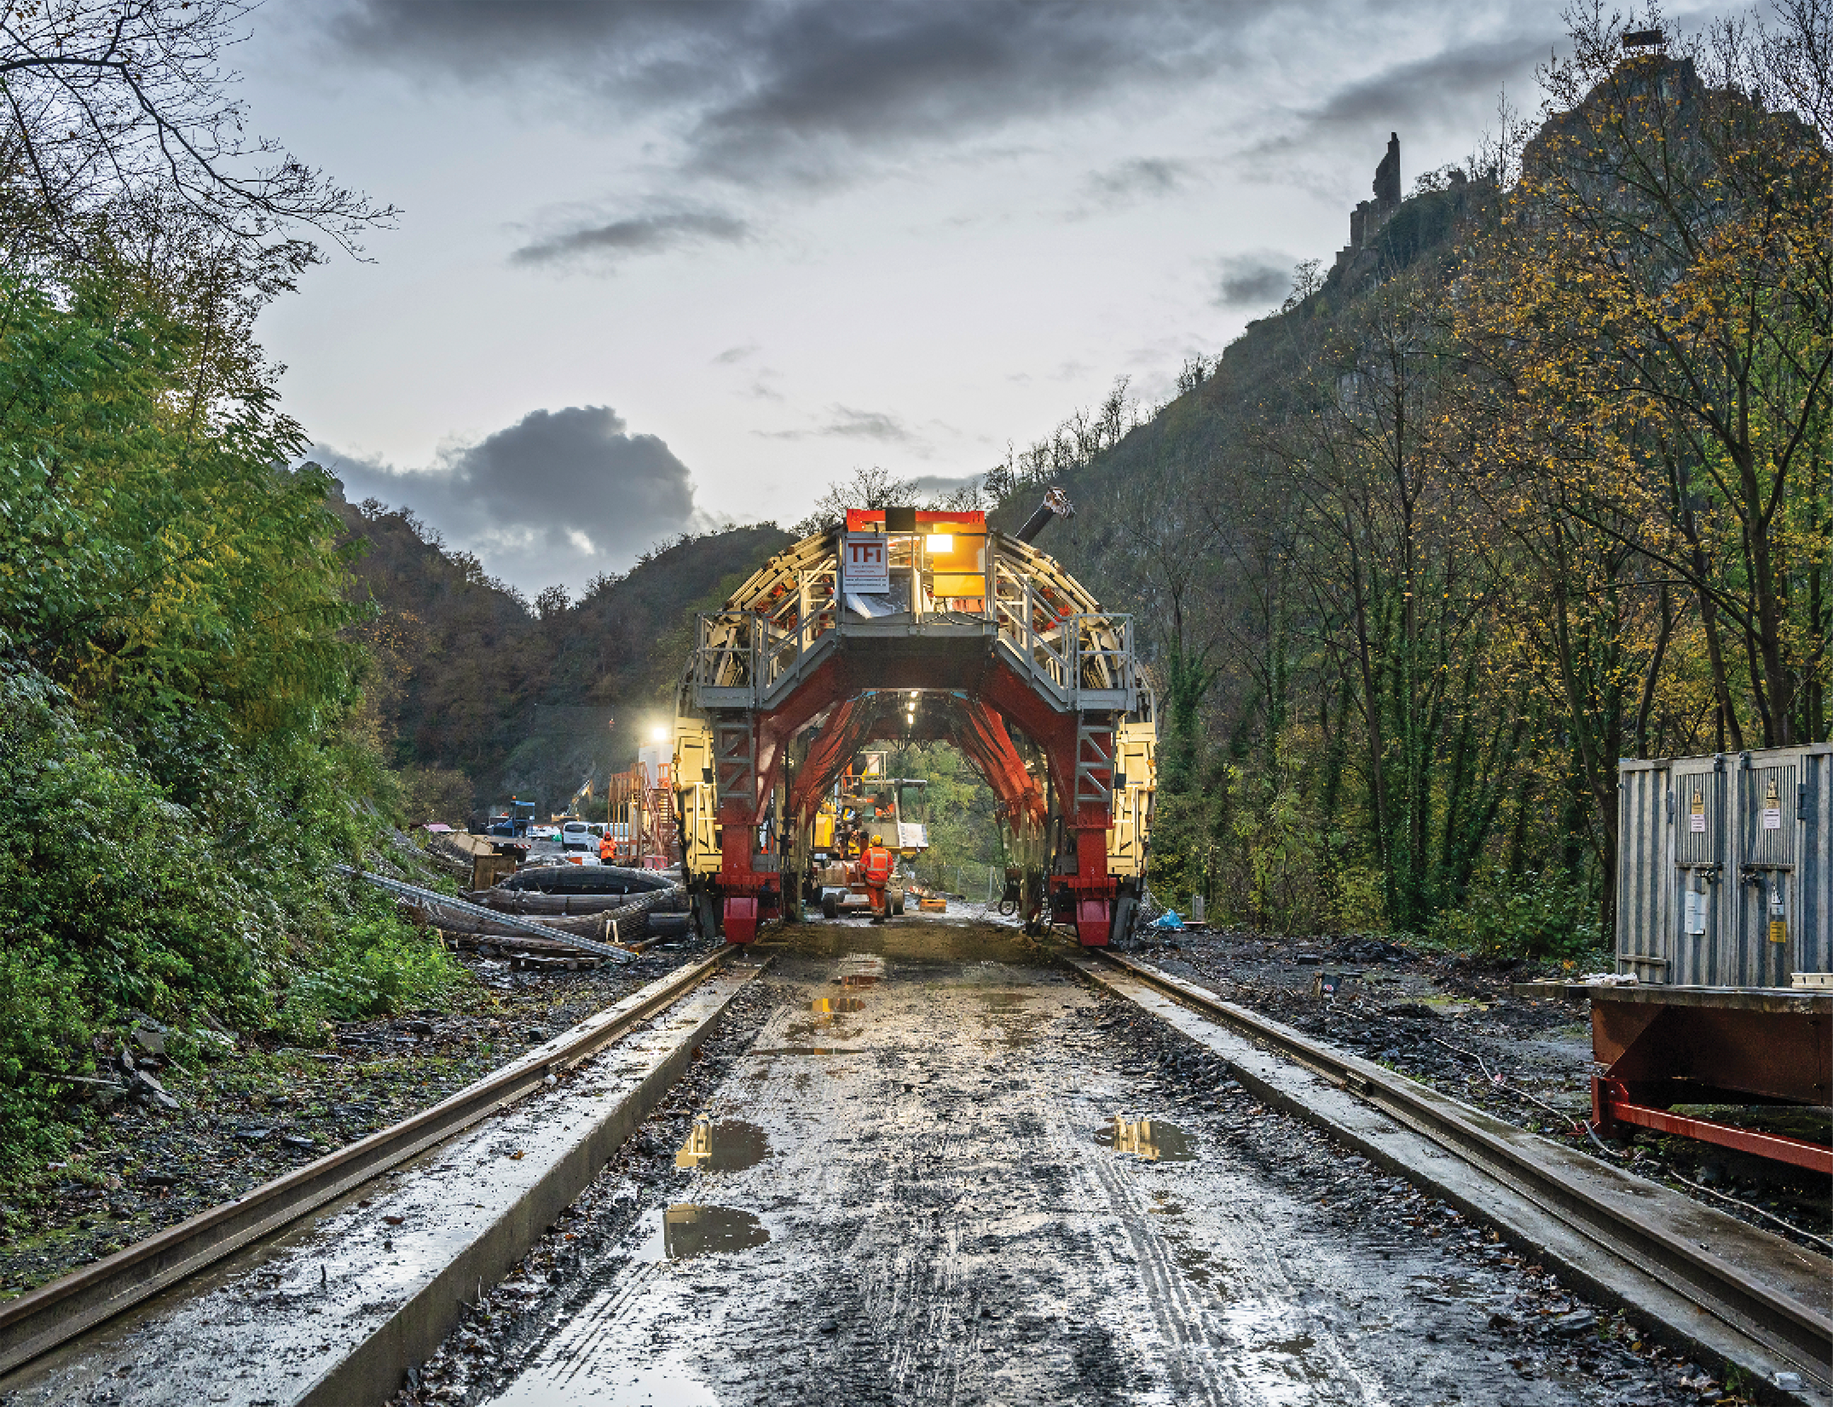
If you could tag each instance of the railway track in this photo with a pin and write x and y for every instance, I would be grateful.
(929, 1217)
(1762, 1304)
(39, 1322)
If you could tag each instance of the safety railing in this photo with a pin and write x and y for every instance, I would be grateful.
(1079, 659)
(788, 654)
(1083, 659)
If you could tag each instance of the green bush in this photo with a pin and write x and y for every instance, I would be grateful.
(377, 967)
(1536, 916)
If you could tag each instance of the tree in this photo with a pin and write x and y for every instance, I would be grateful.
(1658, 292)
(870, 487)
(116, 120)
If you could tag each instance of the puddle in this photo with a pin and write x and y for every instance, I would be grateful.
(1152, 1140)
(861, 970)
(577, 1382)
(1279, 1366)
(828, 1006)
(688, 1229)
(806, 1050)
(728, 1145)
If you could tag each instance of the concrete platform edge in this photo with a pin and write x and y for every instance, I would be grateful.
(370, 1372)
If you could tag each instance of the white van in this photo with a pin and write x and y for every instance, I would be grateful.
(577, 835)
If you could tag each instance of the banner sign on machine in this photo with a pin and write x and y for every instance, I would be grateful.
(868, 562)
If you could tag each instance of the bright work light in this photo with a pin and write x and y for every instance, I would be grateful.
(940, 542)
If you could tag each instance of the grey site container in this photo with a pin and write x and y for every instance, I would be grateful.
(1725, 867)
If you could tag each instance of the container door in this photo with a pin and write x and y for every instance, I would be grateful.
(1699, 835)
(1646, 888)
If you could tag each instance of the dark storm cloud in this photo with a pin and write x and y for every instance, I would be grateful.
(620, 239)
(1141, 177)
(1254, 280)
(556, 497)
(797, 90)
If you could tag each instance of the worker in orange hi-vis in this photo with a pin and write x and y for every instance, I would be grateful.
(607, 848)
(875, 865)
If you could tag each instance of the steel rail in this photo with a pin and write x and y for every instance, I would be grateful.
(1797, 1331)
(55, 1313)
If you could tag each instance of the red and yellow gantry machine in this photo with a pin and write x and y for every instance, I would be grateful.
(907, 625)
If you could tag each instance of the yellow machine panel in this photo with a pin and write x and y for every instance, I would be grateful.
(1135, 748)
(694, 787)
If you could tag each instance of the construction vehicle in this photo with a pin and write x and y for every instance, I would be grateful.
(862, 804)
(914, 625)
(514, 820)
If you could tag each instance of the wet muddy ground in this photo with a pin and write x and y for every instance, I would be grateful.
(923, 1163)
(256, 1110)
(1451, 1022)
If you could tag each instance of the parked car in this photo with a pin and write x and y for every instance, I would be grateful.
(577, 835)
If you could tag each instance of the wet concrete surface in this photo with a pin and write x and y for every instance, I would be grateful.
(959, 1175)
(310, 1311)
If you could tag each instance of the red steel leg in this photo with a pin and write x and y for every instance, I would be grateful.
(1094, 920)
(741, 918)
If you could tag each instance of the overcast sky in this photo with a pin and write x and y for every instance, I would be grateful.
(666, 264)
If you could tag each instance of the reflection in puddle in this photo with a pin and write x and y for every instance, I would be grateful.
(687, 1230)
(726, 1146)
(1151, 1139)
(827, 1006)
(860, 979)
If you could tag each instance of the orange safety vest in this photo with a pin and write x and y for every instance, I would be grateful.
(877, 864)
(607, 847)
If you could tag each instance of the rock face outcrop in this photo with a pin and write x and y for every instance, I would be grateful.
(1366, 220)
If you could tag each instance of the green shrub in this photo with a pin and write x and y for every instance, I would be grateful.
(1547, 917)
(378, 967)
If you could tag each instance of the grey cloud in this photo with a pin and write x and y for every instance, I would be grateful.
(733, 355)
(1140, 177)
(556, 497)
(941, 485)
(1254, 279)
(849, 424)
(1437, 87)
(642, 234)
(796, 91)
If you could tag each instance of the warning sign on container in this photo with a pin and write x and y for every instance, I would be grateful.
(1696, 817)
(1772, 809)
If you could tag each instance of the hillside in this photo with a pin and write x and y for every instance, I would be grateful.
(468, 678)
